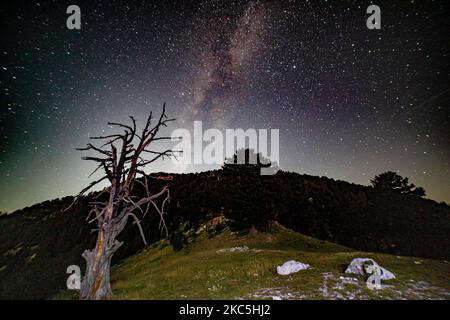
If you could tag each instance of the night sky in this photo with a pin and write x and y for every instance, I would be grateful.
(349, 102)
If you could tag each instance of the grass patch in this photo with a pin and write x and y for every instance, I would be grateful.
(201, 271)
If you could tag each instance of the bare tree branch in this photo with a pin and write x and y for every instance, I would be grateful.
(122, 165)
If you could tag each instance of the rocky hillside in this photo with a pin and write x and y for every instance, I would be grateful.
(218, 263)
(39, 242)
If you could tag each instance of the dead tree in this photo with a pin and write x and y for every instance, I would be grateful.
(122, 159)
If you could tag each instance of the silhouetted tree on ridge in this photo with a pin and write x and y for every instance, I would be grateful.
(390, 180)
(248, 191)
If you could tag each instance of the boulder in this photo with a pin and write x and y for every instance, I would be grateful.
(356, 267)
(291, 267)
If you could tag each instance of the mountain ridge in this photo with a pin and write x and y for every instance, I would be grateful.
(40, 241)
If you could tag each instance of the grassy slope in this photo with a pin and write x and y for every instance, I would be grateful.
(201, 272)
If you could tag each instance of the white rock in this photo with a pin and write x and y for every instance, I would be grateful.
(291, 267)
(234, 249)
(356, 267)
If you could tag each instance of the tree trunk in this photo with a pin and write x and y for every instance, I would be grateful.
(121, 167)
(96, 284)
